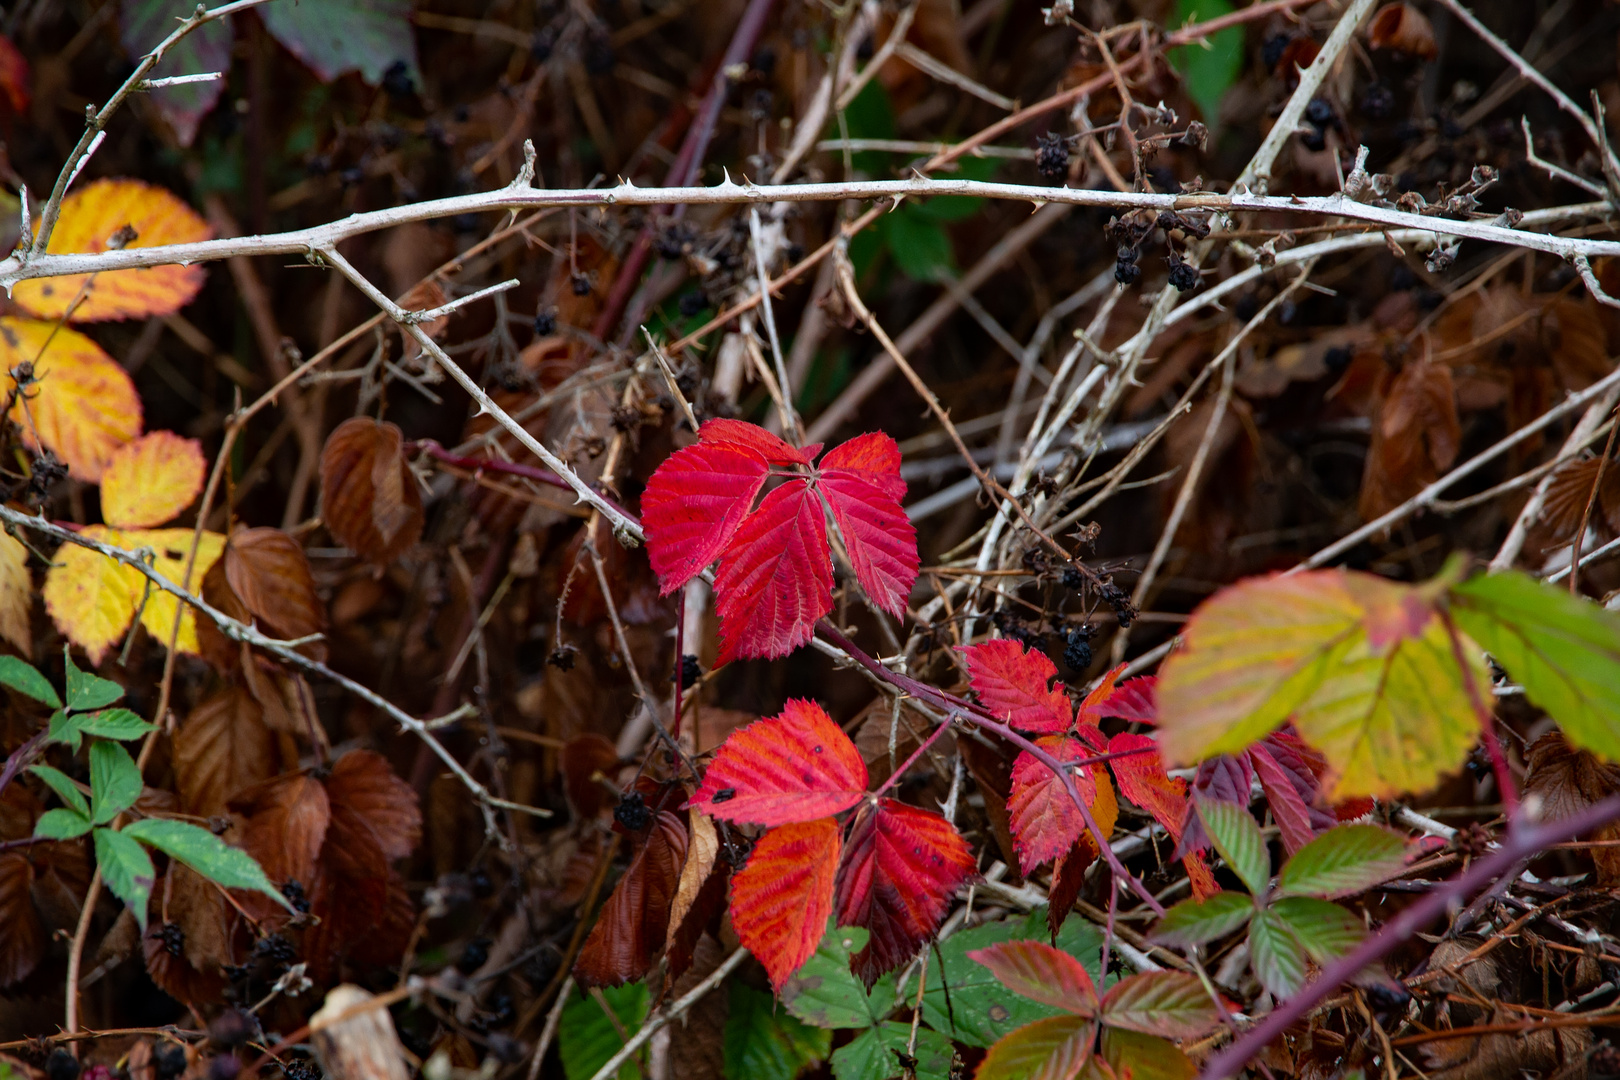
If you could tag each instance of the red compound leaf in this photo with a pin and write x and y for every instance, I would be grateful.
(1095, 705)
(1036, 970)
(780, 901)
(1045, 821)
(751, 437)
(775, 579)
(902, 867)
(1015, 685)
(797, 766)
(693, 505)
(861, 483)
(1135, 699)
(1143, 781)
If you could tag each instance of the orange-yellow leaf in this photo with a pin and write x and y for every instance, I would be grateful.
(1365, 668)
(90, 218)
(92, 598)
(150, 480)
(16, 595)
(82, 406)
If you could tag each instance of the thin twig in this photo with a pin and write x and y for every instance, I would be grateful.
(674, 1011)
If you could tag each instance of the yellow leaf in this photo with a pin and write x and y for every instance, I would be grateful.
(150, 480)
(92, 598)
(16, 595)
(82, 405)
(1364, 668)
(90, 218)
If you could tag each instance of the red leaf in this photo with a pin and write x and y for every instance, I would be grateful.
(22, 941)
(364, 786)
(1093, 707)
(1170, 1004)
(693, 504)
(861, 482)
(1036, 970)
(1015, 685)
(633, 923)
(781, 900)
(1045, 820)
(903, 867)
(755, 439)
(1293, 816)
(798, 766)
(1143, 781)
(775, 578)
(1057, 1048)
(1134, 700)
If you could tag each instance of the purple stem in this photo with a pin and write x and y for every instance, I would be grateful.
(21, 756)
(1520, 842)
(432, 449)
(985, 720)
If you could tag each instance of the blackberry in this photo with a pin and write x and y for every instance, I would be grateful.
(1314, 140)
(1052, 156)
(672, 241)
(293, 890)
(502, 1011)
(693, 302)
(1378, 103)
(1126, 272)
(562, 657)
(1115, 597)
(397, 81)
(1337, 359)
(1388, 998)
(1319, 113)
(581, 284)
(1077, 648)
(276, 949)
(1271, 53)
(302, 1069)
(1073, 579)
(169, 1061)
(483, 888)
(691, 671)
(545, 323)
(474, 956)
(173, 937)
(1183, 275)
(632, 812)
(61, 1065)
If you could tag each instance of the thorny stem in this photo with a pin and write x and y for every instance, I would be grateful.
(1522, 841)
(674, 1011)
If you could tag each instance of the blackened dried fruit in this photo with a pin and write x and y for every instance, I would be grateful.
(632, 812)
(1073, 579)
(693, 302)
(293, 890)
(1319, 113)
(169, 1061)
(1126, 272)
(397, 81)
(1183, 275)
(302, 1069)
(1052, 156)
(691, 671)
(545, 323)
(581, 284)
(1272, 51)
(173, 937)
(1077, 648)
(61, 1065)
(562, 657)
(474, 956)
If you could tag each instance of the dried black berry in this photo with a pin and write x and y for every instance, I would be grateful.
(1073, 579)
(173, 937)
(1319, 113)
(1272, 51)
(672, 240)
(1387, 997)
(1077, 648)
(169, 1061)
(1377, 103)
(1114, 597)
(1183, 275)
(302, 1069)
(693, 302)
(397, 81)
(277, 949)
(1126, 272)
(691, 671)
(482, 886)
(581, 284)
(1314, 140)
(725, 794)
(632, 812)
(474, 956)
(545, 323)
(61, 1065)
(293, 890)
(1337, 359)
(562, 657)
(502, 1012)
(1052, 156)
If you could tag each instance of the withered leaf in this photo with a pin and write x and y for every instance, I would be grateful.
(586, 760)
(267, 570)
(22, 938)
(363, 786)
(1415, 437)
(222, 748)
(1571, 488)
(287, 820)
(369, 499)
(633, 923)
(199, 909)
(1567, 781)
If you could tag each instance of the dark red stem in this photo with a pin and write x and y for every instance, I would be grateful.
(1521, 842)
(432, 449)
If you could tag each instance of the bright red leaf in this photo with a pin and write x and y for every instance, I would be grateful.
(775, 577)
(781, 900)
(1036, 970)
(902, 868)
(797, 766)
(1045, 820)
(1143, 780)
(1135, 700)
(1015, 684)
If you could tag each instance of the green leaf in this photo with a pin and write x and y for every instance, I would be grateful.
(875, 1055)
(764, 1043)
(115, 781)
(1278, 959)
(1325, 931)
(1171, 1004)
(1149, 1057)
(1563, 650)
(1193, 923)
(86, 691)
(826, 994)
(60, 783)
(1342, 862)
(207, 854)
(586, 1038)
(1210, 70)
(118, 724)
(1055, 1047)
(127, 870)
(921, 248)
(65, 729)
(338, 36)
(1232, 830)
(977, 1009)
(25, 678)
(1363, 667)
(61, 824)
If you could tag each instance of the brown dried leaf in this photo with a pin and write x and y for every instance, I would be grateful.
(1567, 781)
(1560, 1052)
(200, 910)
(1415, 437)
(1567, 496)
(1068, 878)
(268, 571)
(287, 821)
(588, 760)
(22, 938)
(703, 844)
(1402, 28)
(222, 748)
(363, 786)
(632, 926)
(369, 499)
